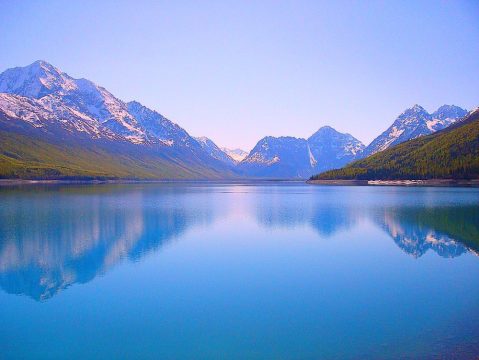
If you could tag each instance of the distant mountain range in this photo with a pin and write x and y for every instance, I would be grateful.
(289, 157)
(55, 126)
(452, 153)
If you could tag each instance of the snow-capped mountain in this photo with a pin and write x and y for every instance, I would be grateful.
(45, 82)
(43, 99)
(445, 116)
(43, 92)
(449, 112)
(214, 151)
(291, 157)
(236, 154)
(36, 80)
(413, 123)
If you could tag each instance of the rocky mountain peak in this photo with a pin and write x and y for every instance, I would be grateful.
(36, 80)
(449, 112)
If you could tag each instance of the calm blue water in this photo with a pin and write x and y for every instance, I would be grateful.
(231, 271)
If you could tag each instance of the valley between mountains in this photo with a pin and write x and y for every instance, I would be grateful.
(53, 126)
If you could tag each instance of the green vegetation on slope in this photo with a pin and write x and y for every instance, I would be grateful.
(27, 157)
(449, 154)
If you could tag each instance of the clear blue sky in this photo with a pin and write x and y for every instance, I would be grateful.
(237, 71)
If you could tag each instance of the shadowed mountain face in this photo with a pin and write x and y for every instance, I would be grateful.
(290, 157)
(331, 149)
(283, 157)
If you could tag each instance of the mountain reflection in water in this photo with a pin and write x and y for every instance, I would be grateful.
(52, 237)
(448, 231)
(46, 246)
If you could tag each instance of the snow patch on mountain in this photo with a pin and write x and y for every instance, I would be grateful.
(49, 112)
(312, 160)
(236, 154)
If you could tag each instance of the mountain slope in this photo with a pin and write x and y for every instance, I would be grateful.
(41, 101)
(26, 154)
(157, 128)
(214, 151)
(413, 123)
(450, 153)
(50, 115)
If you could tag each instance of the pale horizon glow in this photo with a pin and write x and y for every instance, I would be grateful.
(238, 71)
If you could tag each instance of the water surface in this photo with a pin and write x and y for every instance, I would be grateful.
(238, 271)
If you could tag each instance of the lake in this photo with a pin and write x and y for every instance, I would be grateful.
(238, 271)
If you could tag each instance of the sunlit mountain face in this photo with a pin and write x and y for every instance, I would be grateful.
(52, 237)
(41, 102)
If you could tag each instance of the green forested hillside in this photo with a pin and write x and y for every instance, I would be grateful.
(449, 154)
(26, 157)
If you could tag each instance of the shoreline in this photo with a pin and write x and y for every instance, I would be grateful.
(338, 182)
(9, 182)
(429, 182)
